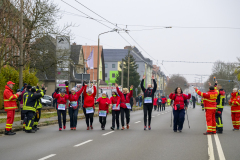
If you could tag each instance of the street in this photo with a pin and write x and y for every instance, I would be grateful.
(159, 143)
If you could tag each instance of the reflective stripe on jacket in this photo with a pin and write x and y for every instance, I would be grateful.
(9, 99)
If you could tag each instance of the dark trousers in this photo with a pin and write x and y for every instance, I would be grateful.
(147, 110)
(163, 106)
(219, 122)
(115, 115)
(155, 108)
(159, 106)
(29, 120)
(131, 106)
(55, 103)
(194, 104)
(179, 117)
(73, 114)
(63, 113)
(126, 112)
(103, 121)
(22, 114)
(88, 117)
(37, 117)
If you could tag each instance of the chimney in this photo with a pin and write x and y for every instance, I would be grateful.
(74, 44)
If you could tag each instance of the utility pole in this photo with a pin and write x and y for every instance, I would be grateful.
(21, 47)
(128, 69)
(122, 74)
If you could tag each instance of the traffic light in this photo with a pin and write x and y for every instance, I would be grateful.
(214, 79)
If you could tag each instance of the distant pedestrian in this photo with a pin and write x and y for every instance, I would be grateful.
(179, 108)
(140, 100)
(10, 105)
(159, 103)
(137, 100)
(164, 101)
(54, 99)
(194, 101)
(155, 101)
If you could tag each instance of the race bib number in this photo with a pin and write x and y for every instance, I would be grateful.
(115, 107)
(128, 105)
(159, 100)
(73, 104)
(102, 113)
(148, 100)
(61, 106)
(89, 110)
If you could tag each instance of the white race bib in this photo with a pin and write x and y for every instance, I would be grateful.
(159, 100)
(115, 107)
(128, 105)
(61, 106)
(102, 113)
(89, 110)
(73, 104)
(148, 100)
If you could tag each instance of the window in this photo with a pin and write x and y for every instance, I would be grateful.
(113, 75)
(106, 65)
(105, 74)
(113, 65)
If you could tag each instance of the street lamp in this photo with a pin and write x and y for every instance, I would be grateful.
(98, 58)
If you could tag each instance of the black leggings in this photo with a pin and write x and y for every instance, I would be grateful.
(115, 115)
(126, 111)
(63, 112)
(88, 116)
(159, 106)
(163, 106)
(147, 109)
(103, 121)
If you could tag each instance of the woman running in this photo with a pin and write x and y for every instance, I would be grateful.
(155, 101)
(103, 109)
(73, 105)
(159, 103)
(88, 106)
(115, 104)
(125, 105)
(178, 108)
(61, 107)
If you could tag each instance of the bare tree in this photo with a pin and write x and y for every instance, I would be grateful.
(174, 82)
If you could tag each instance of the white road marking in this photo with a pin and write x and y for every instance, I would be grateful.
(51, 155)
(83, 143)
(162, 113)
(158, 114)
(153, 116)
(219, 148)
(108, 133)
(138, 122)
(210, 148)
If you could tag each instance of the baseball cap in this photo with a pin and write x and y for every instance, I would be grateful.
(10, 82)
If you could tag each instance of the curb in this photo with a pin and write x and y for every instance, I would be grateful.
(47, 123)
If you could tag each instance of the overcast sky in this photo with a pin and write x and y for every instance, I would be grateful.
(168, 44)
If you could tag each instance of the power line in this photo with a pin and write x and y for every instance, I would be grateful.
(86, 14)
(197, 62)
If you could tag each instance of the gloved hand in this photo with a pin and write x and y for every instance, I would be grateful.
(57, 90)
(66, 83)
(219, 112)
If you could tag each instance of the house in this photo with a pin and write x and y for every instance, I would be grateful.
(93, 72)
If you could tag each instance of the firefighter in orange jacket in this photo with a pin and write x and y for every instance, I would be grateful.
(10, 105)
(210, 108)
(235, 109)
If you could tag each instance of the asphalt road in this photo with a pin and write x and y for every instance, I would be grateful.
(159, 143)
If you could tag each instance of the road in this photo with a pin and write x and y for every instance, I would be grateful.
(159, 143)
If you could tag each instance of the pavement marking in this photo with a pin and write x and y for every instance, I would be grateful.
(51, 155)
(83, 143)
(153, 116)
(219, 148)
(158, 114)
(138, 122)
(108, 133)
(162, 113)
(210, 148)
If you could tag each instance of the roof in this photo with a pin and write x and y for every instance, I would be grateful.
(115, 55)
(75, 53)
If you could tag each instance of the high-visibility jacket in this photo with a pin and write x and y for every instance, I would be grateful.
(9, 99)
(209, 98)
(39, 104)
(235, 103)
(30, 100)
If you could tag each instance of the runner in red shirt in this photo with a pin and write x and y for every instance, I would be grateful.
(115, 104)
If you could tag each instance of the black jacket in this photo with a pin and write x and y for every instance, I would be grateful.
(149, 92)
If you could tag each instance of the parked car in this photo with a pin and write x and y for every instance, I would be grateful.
(46, 100)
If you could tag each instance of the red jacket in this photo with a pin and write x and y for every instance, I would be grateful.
(74, 97)
(209, 98)
(179, 99)
(9, 99)
(155, 101)
(89, 99)
(164, 99)
(122, 98)
(235, 103)
(115, 100)
(102, 104)
(61, 99)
